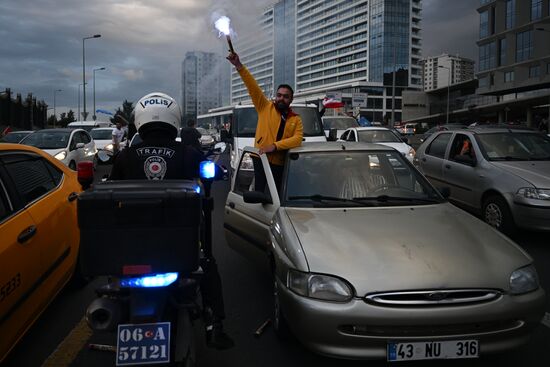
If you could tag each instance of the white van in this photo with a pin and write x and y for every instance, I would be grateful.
(245, 119)
(88, 125)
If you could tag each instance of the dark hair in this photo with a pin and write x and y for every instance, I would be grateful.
(287, 87)
(190, 122)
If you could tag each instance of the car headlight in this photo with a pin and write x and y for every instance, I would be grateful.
(61, 155)
(532, 193)
(108, 147)
(411, 153)
(524, 280)
(319, 286)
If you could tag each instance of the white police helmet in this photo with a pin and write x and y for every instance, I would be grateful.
(157, 109)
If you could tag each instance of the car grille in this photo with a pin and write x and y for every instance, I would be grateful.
(411, 331)
(438, 297)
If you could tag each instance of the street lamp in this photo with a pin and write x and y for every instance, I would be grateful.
(84, 72)
(54, 113)
(94, 116)
(81, 84)
(448, 87)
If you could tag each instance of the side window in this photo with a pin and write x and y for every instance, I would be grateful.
(438, 146)
(250, 170)
(461, 146)
(351, 136)
(5, 209)
(344, 136)
(32, 176)
(85, 138)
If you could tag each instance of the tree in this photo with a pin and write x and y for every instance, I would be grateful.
(127, 112)
(66, 118)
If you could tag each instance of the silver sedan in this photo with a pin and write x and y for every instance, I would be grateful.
(370, 261)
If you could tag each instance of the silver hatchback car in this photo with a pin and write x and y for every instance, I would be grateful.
(502, 174)
(357, 275)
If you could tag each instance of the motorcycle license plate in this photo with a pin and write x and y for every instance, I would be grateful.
(449, 349)
(143, 344)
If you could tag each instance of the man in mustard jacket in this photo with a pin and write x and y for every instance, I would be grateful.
(278, 129)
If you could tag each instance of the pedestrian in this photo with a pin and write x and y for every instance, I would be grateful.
(118, 135)
(190, 136)
(278, 128)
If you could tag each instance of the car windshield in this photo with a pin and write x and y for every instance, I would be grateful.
(508, 146)
(14, 137)
(356, 178)
(102, 134)
(246, 120)
(202, 131)
(48, 139)
(378, 136)
(340, 123)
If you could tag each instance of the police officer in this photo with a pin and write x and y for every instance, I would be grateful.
(159, 156)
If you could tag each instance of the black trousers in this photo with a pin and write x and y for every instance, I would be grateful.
(211, 288)
(260, 181)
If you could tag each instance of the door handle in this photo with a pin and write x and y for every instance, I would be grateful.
(231, 205)
(26, 234)
(72, 196)
(448, 166)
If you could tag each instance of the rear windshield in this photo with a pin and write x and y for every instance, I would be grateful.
(340, 123)
(246, 120)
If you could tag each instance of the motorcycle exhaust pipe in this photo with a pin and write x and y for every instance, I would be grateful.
(104, 314)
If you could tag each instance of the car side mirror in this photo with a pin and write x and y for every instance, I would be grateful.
(444, 191)
(256, 197)
(332, 135)
(466, 159)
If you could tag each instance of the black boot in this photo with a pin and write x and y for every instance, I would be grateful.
(217, 338)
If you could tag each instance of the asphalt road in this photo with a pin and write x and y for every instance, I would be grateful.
(61, 335)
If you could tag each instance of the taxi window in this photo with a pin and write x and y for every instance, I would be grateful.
(32, 176)
(4, 208)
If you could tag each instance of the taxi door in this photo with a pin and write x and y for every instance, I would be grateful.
(20, 268)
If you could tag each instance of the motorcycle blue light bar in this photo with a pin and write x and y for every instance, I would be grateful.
(208, 169)
(198, 189)
(149, 281)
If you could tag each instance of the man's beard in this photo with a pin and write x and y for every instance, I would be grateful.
(281, 106)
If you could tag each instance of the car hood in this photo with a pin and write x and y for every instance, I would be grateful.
(404, 248)
(535, 172)
(400, 147)
(53, 152)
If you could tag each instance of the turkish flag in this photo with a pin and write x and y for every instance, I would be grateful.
(332, 103)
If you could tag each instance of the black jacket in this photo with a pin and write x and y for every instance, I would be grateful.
(157, 158)
(191, 136)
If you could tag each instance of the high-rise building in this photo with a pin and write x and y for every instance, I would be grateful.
(438, 71)
(355, 46)
(514, 46)
(205, 82)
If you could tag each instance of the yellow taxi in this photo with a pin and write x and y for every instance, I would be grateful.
(39, 236)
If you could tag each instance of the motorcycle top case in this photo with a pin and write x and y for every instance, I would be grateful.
(140, 223)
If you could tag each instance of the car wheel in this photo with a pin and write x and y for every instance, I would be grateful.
(72, 165)
(280, 324)
(497, 214)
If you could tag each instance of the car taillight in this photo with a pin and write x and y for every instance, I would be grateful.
(85, 172)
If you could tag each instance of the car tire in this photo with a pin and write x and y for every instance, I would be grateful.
(72, 165)
(497, 214)
(280, 324)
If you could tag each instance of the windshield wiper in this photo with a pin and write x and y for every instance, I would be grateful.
(386, 198)
(320, 198)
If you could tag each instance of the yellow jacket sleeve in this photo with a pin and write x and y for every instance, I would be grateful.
(292, 141)
(254, 90)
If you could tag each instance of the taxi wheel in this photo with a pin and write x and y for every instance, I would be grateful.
(497, 214)
(279, 322)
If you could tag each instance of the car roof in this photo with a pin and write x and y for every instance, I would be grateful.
(21, 132)
(363, 128)
(338, 146)
(61, 130)
(101, 128)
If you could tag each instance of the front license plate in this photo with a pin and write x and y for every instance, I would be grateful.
(449, 349)
(143, 344)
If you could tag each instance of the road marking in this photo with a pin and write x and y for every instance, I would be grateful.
(546, 320)
(68, 349)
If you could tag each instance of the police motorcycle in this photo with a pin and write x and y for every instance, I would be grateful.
(149, 243)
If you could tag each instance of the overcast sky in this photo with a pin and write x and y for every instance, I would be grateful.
(143, 43)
